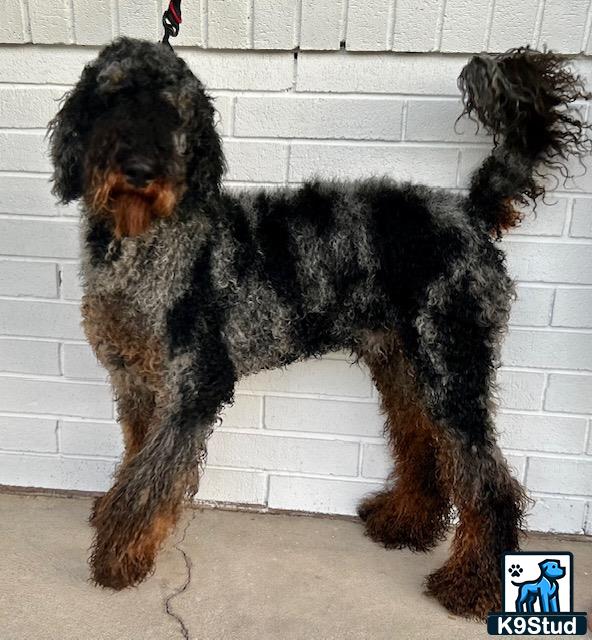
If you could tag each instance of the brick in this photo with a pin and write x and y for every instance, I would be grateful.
(80, 362)
(323, 416)
(320, 24)
(61, 398)
(326, 377)
(245, 412)
(376, 461)
(19, 278)
(532, 306)
(29, 356)
(377, 73)
(28, 434)
(557, 515)
(229, 24)
(521, 389)
(318, 495)
(436, 120)
(33, 64)
(27, 195)
(50, 21)
(517, 465)
(464, 25)
(242, 70)
(282, 453)
(40, 319)
(432, 166)
(140, 19)
(573, 308)
(55, 472)
(542, 433)
(223, 106)
(416, 25)
(547, 220)
(470, 161)
(275, 24)
(92, 21)
(575, 475)
(513, 22)
(569, 393)
(51, 239)
(23, 151)
(297, 117)
(367, 25)
(256, 161)
(12, 24)
(547, 349)
(580, 171)
(563, 25)
(70, 282)
(232, 485)
(91, 438)
(581, 221)
(548, 262)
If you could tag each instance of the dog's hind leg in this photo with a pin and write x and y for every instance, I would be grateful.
(454, 355)
(413, 510)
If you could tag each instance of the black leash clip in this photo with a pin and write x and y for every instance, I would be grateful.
(171, 21)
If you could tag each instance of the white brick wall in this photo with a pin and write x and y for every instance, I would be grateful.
(309, 437)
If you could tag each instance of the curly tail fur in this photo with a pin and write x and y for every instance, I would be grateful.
(525, 99)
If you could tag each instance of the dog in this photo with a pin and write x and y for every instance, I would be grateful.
(188, 288)
(545, 589)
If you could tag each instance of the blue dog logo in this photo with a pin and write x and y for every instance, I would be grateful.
(545, 588)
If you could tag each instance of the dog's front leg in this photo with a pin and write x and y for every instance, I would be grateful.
(135, 517)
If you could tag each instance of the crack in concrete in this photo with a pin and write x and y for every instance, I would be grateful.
(177, 592)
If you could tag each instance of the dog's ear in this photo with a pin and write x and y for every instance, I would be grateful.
(206, 161)
(67, 133)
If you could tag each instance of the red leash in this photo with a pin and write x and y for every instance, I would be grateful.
(171, 20)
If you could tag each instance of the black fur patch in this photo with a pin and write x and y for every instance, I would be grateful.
(197, 319)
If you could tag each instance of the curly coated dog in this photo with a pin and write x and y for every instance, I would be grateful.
(188, 288)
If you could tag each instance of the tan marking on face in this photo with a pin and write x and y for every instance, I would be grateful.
(131, 209)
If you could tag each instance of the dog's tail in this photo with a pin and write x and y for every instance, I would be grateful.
(525, 99)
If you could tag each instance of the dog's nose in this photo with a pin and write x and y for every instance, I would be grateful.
(139, 173)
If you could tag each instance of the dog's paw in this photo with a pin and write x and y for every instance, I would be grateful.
(120, 573)
(469, 589)
(396, 528)
(515, 570)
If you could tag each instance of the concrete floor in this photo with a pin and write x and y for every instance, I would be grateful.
(253, 577)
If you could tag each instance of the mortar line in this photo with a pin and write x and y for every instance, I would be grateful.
(25, 20)
(538, 23)
(489, 25)
(391, 21)
(297, 31)
(343, 24)
(205, 23)
(440, 27)
(114, 18)
(72, 29)
(587, 28)
(251, 18)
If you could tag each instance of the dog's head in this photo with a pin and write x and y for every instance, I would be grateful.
(552, 569)
(135, 136)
